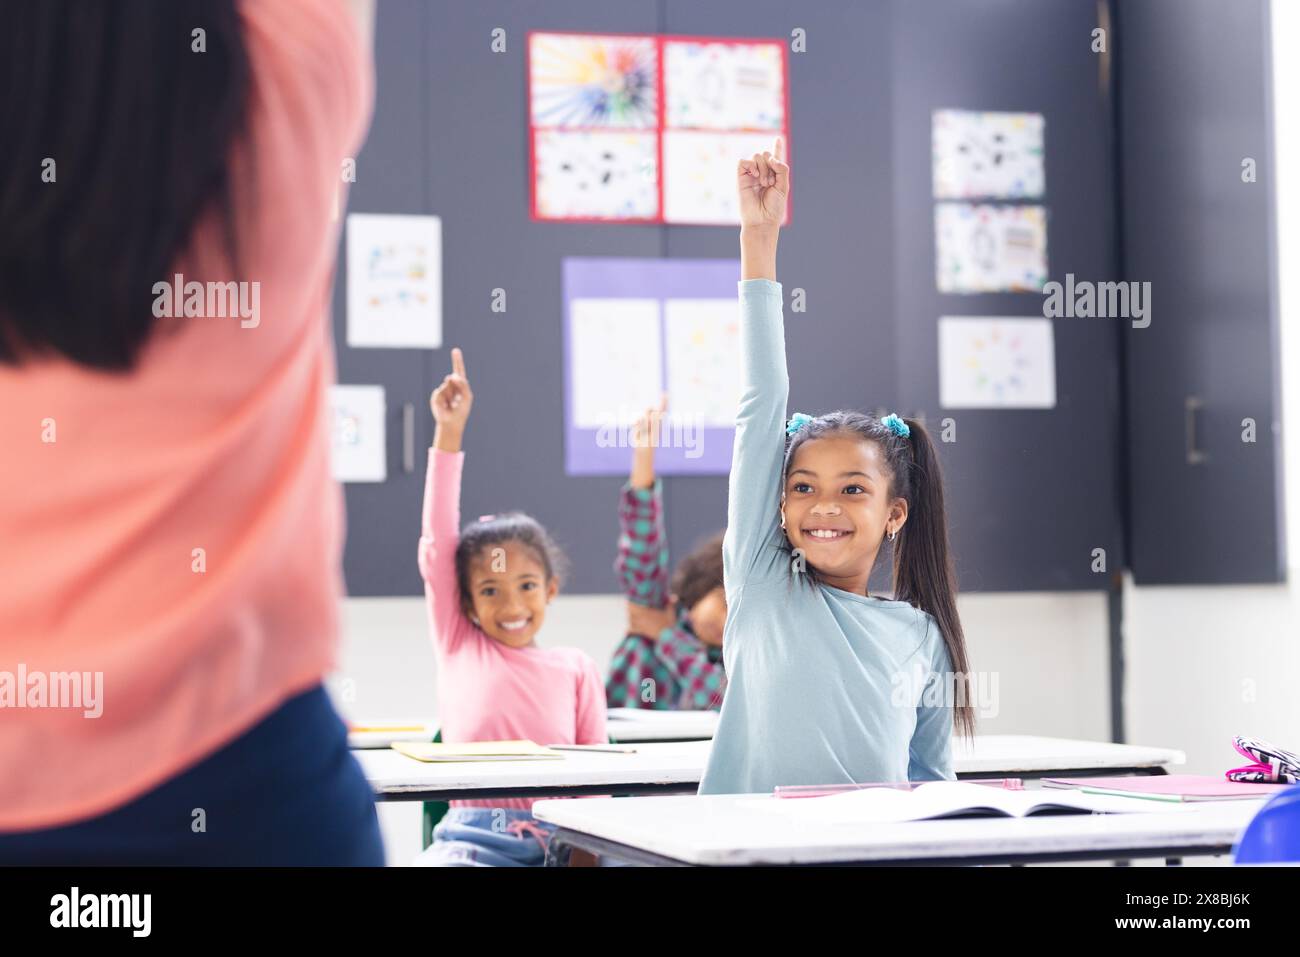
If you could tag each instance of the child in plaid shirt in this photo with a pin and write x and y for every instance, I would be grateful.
(671, 657)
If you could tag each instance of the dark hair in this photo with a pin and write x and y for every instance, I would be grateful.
(700, 572)
(498, 530)
(923, 574)
(139, 127)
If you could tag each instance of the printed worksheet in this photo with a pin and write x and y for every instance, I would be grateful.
(394, 273)
(990, 248)
(357, 442)
(988, 155)
(724, 85)
(616, 365)
(702, 339)
(996, 362)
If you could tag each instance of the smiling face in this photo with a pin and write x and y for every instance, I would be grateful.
(836, 507)
(510, 590)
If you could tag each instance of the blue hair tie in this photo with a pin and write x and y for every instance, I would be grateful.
(797, 422)
(896, 425)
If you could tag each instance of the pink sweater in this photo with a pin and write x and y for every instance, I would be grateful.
(218, 441)
(488, 691)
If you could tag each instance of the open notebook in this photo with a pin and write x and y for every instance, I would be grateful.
(477, 751)
(947, 799)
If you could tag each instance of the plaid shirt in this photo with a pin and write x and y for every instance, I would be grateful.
(675, 670)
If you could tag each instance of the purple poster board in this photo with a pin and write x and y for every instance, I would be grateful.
(628, 325)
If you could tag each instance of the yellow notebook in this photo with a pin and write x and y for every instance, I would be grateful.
(477, 751)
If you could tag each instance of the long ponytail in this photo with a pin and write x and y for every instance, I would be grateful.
(923, 568)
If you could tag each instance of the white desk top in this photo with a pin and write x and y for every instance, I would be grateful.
(657, 763)
(634, 724)
(682, 763)
(730, 830)
(625, 725)
(1009, 754)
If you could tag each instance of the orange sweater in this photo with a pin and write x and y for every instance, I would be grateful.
(110, 485)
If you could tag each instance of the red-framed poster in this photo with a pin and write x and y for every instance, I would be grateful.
(644, 128)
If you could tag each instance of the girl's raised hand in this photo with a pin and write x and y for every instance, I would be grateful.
(764, 183)
(452, 400)
(645, 436)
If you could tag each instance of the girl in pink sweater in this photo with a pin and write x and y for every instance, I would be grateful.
(487, 589)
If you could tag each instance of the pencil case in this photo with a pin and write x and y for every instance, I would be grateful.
(1269, 763)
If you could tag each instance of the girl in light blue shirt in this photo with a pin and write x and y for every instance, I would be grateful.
(828, 684)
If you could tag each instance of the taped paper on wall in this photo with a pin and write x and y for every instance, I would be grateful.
(987, 248)
(394, 281)
(700, 174)
(996, 362)
(987, 155)
(616, 362)
(357, 441)
(702, 339)
(595, 175)
(635, 329)
(588, 80)
(724, 86)
(649, 128)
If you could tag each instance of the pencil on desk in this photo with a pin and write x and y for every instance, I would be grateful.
(393, 728)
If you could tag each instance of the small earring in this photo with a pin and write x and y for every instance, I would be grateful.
(892, 535)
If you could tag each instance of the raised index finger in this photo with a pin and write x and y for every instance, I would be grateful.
(458, 363)
(779, 149)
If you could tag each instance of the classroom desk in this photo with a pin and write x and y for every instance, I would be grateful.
(729, 830)
(629, 725)
(1019, 755)
(655, 768)
(668, 768)
(625, 726)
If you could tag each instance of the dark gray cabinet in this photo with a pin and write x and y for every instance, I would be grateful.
(1194, 103)
(383, 524)
(1031, 493)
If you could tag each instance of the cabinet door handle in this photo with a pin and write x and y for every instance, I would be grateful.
(408, 438)
(1191, 407)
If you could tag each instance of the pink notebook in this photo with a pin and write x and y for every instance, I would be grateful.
(1168, 787)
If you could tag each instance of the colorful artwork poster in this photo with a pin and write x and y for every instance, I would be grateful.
(724, 85)
(724, 100)
(357, 443)
(635, 329)
(987, 155)
(596, 175)
(649, 128)
(990, 248)
(586, 81)
(996, 362)
(394, 270)
(700, 174)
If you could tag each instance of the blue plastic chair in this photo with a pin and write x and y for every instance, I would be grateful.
(1273, 835)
